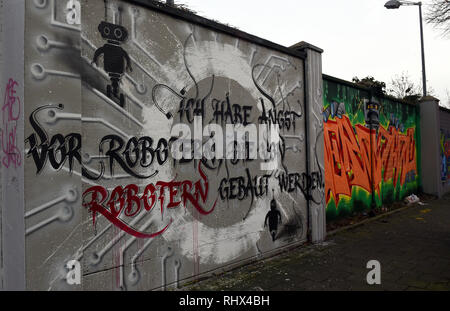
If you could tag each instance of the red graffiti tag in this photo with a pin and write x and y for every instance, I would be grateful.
(125, 200)
(11, 114)
(356, 156)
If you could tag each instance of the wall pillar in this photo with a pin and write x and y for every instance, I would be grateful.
(429, 132)
(315, 141)
(12, 150)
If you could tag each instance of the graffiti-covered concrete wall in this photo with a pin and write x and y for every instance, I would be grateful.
(143, 146)
(444, 120)
(156, 146)
(182, 217)
(12, 144)
(1, 191)
(372, 149)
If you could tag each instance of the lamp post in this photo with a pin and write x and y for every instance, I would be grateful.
(395, 4)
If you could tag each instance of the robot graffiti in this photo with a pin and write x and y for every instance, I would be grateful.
(114, 58)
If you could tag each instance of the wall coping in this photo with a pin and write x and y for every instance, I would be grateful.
(444, 109)
(428, 99)
(366, 89)
(305, 45)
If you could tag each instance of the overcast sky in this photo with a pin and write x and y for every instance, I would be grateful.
(359, 37)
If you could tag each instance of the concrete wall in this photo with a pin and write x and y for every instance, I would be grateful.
(12, 144)
(1, 166)
(444, 121)
(368, 163)
(181, 70)
(88, 175)
(134, 216)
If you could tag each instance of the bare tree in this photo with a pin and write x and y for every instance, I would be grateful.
(439, 15)
(402, 86)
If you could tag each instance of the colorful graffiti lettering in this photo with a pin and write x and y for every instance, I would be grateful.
(370, 152)
(11, 114)
(130, 203)
(356, 156)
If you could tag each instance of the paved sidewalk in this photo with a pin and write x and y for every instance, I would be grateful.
(412, 246)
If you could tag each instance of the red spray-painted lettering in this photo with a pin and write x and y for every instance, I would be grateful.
(125, 200)
(11, 114)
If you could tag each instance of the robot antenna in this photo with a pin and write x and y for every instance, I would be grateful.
(119, 9)
(106, 10)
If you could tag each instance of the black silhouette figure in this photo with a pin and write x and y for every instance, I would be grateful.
(114, 57)
(274, 217)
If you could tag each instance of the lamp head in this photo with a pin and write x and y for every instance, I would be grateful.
(392, 4)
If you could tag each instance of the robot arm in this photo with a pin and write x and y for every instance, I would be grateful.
(128, 60)
(97, 54)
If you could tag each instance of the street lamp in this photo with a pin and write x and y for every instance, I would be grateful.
(395, 4)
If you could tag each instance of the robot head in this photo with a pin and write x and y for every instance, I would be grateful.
(113, 32)
(273, 204)
(372, 112)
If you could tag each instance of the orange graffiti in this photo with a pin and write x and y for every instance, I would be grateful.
(350, 150)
